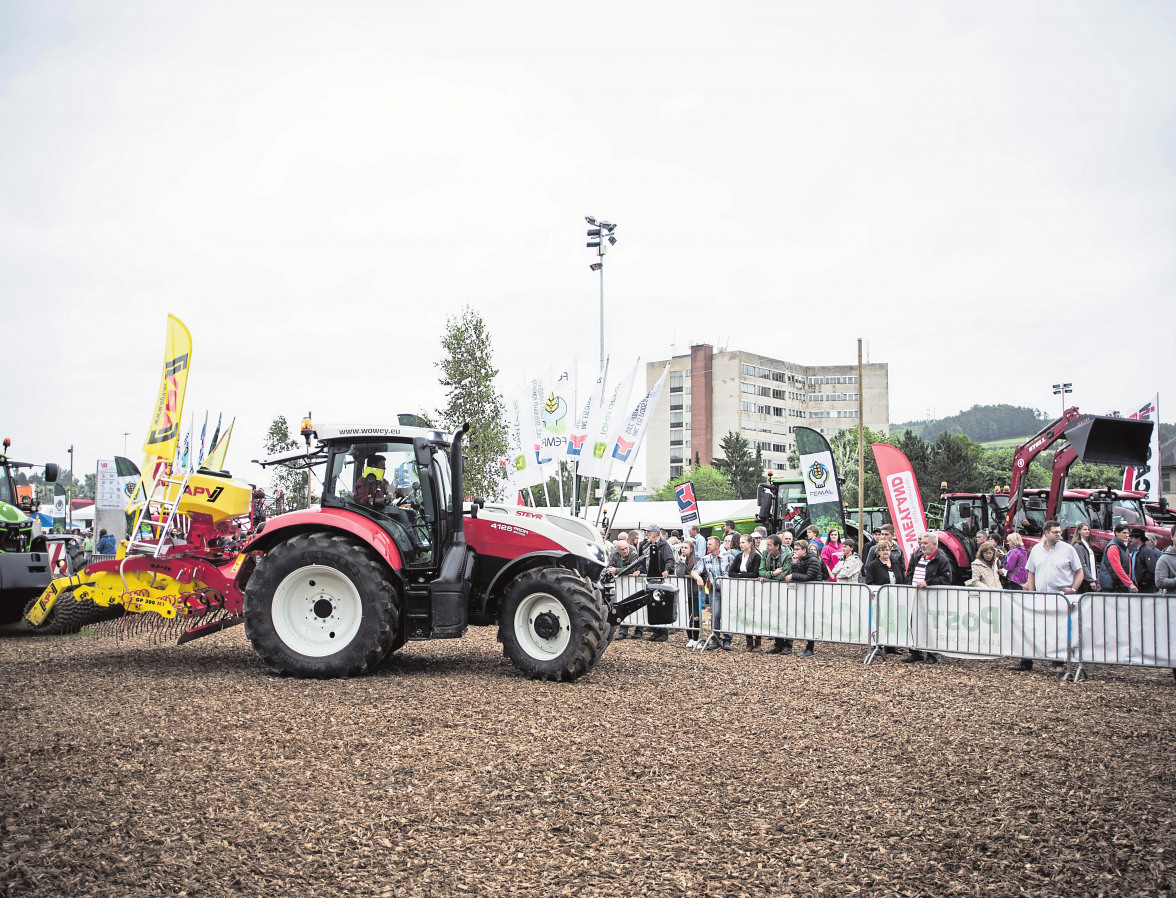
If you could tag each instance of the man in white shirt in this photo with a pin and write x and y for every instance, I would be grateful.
(1053, 566)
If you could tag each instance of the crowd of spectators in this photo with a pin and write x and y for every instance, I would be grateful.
(1131, 563)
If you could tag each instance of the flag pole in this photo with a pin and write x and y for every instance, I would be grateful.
(622, 495)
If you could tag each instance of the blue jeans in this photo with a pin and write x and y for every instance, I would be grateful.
(717, 614)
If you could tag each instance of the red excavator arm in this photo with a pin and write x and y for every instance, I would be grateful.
(1064, 459)
(1028, 451)
(1096, 439)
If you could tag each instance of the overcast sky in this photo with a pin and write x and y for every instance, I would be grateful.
(985, 192)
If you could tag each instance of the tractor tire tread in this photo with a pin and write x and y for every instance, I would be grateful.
(584, 607)
(380, 599)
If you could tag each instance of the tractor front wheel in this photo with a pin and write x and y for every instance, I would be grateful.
(321, 605)
(550, 625)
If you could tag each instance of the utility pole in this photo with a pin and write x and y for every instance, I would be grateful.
(861, 455)
(69, 494)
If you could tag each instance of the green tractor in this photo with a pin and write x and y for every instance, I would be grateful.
(24, 551)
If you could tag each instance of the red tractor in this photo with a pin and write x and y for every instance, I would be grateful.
(1095, 439)
(390, 556)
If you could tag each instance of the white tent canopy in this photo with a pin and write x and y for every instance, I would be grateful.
(639, 515)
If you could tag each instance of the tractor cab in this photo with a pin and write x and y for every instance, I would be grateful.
(402, 483)
(782, 503)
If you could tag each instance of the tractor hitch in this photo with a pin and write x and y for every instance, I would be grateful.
(658, 596)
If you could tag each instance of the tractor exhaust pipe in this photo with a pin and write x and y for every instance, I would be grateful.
(456, 467)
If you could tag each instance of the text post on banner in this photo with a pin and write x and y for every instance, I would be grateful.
(604, 425)
(902, 497)
(821, 489)
(1146, 479)
(687, 503)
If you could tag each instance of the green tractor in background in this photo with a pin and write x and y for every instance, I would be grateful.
(24, 551)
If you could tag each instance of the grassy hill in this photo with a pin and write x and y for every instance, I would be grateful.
(993, 426)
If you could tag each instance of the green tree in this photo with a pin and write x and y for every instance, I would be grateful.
(467, 374)
(1094, 477)
(954, 461)
(743, 470)
(918, 454)
(710, 485)
(277, 440)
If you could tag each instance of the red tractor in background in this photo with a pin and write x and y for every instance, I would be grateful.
(1094, 439)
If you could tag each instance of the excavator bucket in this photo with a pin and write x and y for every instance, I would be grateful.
(1101, 440)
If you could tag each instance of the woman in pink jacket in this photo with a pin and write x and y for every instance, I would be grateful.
(831, 554)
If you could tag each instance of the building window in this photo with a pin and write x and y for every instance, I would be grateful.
(675, 381)
(747, 370)
(675, 419)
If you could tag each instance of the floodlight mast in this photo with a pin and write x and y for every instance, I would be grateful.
(600, 238)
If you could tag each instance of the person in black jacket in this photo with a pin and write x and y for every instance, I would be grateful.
(806, 568)
(657, 561)
(746, 565)
(884, 569)
(928, 567)
(885, 565)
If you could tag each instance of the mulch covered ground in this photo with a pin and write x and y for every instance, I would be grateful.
(138, 770)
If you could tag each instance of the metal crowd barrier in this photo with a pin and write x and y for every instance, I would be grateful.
(1133, 629)
(985, 623)
(631, 583)
(821, 611)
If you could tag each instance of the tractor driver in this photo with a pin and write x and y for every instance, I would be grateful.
(371, 488)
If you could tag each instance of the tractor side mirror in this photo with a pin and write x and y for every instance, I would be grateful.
(476, 503)
(423, 450)
(767, 502)
(50, 473)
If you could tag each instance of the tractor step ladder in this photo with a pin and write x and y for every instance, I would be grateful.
(160, 522)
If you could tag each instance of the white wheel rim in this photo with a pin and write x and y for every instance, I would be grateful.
(529, 610)
(317, 610)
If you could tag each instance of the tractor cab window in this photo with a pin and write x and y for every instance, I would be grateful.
(1127, 511)
(963, 518)
(1072, 513)
(382, 481)
(6, 488)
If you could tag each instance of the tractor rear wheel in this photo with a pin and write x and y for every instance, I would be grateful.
(321, 605)
(550, 625)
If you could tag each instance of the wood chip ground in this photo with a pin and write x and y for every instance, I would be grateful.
(130, 770)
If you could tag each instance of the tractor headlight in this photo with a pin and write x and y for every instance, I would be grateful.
(596, 552)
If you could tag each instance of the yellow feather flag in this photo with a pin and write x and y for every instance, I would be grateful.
(164, 432)
(216, 458)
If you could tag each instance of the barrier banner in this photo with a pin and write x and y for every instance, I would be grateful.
(1127, 628)
(986, 623)
(825, 612)
(902, 496)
